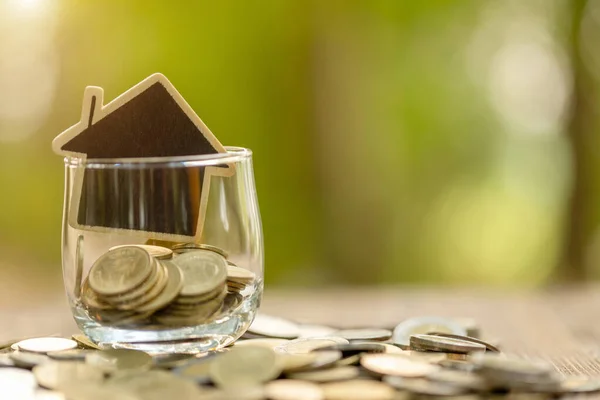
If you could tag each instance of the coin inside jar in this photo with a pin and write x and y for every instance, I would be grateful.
(120, 270)
(202, 270)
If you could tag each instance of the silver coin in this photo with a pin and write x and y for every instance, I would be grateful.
(16, 382)
(158, 252)
(422, 386)
(396, 364)
(488, 346)
(73, 354)
(293, 362)
(358, 390)
(119, 359)
(270, 343)
(154, 385)
(170, 292)
(23, 359)
(46, 344)
(364, 334)
(124, 298)
(240, 275)
(327, 375)
(459, 378)
(275, 327)
(307, 345)
(444, 344)
(120, 270)
(152, 293)
(57, 375)
(323, 359)
(203, 271)
(289, 389)
(245, 366)
(421, 325)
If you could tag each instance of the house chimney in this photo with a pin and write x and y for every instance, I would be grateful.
(92, 103)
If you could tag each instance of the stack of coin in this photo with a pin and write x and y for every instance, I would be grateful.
(238, 278)
(203, 291)
(139, 284)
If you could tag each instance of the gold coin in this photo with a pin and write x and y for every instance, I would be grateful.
(203, 271)
(46, 344)
(171, 290)
(120, 270)
(85, 342)
(158, 252)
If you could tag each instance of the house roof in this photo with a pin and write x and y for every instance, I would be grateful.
(150, 120)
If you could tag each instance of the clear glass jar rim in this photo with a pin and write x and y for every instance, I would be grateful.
(234, 154)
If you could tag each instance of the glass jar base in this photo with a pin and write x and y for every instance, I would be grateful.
(190, 339)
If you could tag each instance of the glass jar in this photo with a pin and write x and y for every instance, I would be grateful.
(163, 254)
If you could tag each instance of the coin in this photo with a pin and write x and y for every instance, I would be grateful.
(153, 292)
(119, 359)
(364, 334)
(327, 375)
(444, 344)
(275, 327)
(270, 343)
(323, 359)
(203, 271)
(307, 345)
(313, 330)
(56, 375)
(158, 252)
(578, 384)
(85, 342)
(351, 349)
(90, 298)
(293, 362)
(73, 354)
(172, 360)
(23, 359)
(422, 386)
(125, 298)
(290, 389)
(46, 344)
(154, 385)
(171, 290)
(240, 275)
(396, 364)
(458, 378)
(120, 270)
(488, 346)
(244, 366)
(358, 390)
(187, 247)
(15, 382)
(419, 325)
(196, 370)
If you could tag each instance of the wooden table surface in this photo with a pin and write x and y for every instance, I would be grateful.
(558, 325)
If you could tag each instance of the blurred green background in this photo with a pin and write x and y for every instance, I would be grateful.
(395, 141)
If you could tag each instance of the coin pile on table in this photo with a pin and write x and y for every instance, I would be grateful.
(191, 283)
(410, 361)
